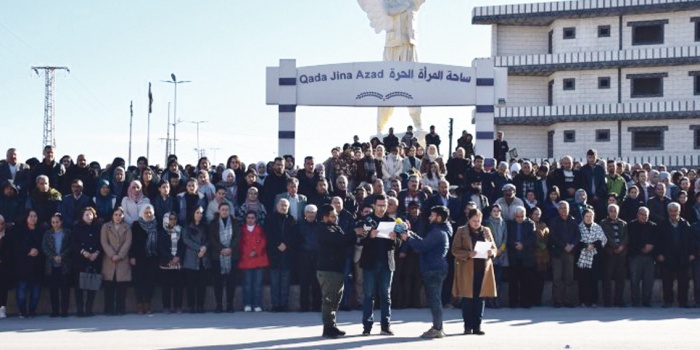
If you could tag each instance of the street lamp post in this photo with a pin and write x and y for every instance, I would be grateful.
(199, 150)
(175, 82)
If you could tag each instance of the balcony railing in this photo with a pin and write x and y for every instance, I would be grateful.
(600, 111)
(489, 14)
(599, 59)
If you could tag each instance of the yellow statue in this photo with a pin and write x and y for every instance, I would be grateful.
(397, 18)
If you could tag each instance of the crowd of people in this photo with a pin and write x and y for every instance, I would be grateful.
(76, 225)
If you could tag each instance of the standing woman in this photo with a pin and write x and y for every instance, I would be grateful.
(134, 202)
(224, 235)
(474, 278)
(593, 240)
(115, 238)
(188, 201)
(144, 258)
(196, 260)
(29, 262)
(170, 252)
(6, 265)
(87, 248)
(541, 255)
(499, 230)
(105, 202)
(57, 248)
(253, 248)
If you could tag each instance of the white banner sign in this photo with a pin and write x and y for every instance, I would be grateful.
(371, 84)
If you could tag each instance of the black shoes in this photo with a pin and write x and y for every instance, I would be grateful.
(332, 332)
(386, 331)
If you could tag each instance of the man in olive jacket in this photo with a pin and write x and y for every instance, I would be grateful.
(224, 234)
(615, 268)
(332, 250)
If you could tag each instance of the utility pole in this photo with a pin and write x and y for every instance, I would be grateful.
(449, 155)
(167, 137)
(175, 83)
(131, 124)
(200, 152)
(49, 105)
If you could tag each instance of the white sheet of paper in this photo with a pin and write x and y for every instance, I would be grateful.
(482, 249)
(385, 228)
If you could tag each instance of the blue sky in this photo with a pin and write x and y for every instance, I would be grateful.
(114, 48)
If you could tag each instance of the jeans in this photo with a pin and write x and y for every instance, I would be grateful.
(376, 279)
(34, 289)
(433, 289)
(332, 291)
(252, 287)
(279, 288)
(348, 283)
(473, 308)
(641, 270)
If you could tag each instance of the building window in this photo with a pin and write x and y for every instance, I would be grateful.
(569, 135)
(570, 33)
(648, 138)
(648, 32)
(696, 82)
(696, 23)
(647, 85)
(570, 84)
(603, 82)
(603, 31)
(696, 136)
(602, 135)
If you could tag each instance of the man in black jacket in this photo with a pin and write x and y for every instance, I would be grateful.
(280, 228)
(432, 138)
(333, 243)
(309, 290)
(642, 237)
(378, 265)
(675, 255)
(564, 236)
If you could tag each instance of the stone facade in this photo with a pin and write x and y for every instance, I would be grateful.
(580, 77)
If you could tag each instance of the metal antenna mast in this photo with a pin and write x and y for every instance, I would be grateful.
(49, 105)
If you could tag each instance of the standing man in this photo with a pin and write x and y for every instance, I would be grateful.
(615, 268)
(432, 138)
(308, 178)
(10, 168)
(275, 184)
(521, 259)
(309, 290)
(280, 228)
(378, 265)
(50, 167)
(391, 140)
(564, 236)
(433, 263)
(500, 147)
(642, 234)
(675, 255)
(333, 243)
(593, 181)
(615, 182)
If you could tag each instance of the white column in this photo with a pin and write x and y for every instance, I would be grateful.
(287, 106)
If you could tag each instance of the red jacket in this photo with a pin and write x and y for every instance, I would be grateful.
(253, 242)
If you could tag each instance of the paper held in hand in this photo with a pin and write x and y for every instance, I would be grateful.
(384, 229)
(482, 249)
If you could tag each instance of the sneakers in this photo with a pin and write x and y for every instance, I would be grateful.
(433, 333)
(366, 332)
(386, 331)
(3, 312)
(247, 308)
(258, 309)
(332, 332)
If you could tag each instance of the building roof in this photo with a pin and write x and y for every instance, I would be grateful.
(544, 13)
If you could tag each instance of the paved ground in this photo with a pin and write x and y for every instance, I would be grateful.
(542, 328)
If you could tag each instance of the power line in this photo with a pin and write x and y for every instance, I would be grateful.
(49, 103)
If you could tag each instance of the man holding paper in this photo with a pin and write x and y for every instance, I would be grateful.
(378, 265)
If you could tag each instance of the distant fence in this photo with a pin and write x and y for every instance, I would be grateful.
(670, 161)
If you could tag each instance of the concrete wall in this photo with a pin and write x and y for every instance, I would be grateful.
(531, 141)
(521, 40)
(678, 32)
(586, 87)
(527, 91)
(586, 35)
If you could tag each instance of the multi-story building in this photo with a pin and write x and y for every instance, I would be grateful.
(621, 76)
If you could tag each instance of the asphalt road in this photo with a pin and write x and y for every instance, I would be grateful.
(539, 328)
